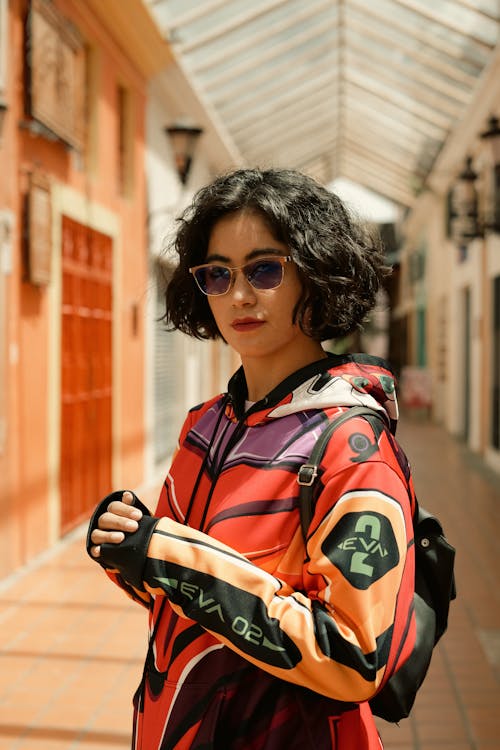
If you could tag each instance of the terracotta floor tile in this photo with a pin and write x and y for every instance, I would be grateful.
(395, 733)
(439, 731)
(485, 723)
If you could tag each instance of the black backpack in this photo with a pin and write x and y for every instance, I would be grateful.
(434, 580)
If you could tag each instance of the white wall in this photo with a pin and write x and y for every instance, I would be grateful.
(466, 274)
(167, 197)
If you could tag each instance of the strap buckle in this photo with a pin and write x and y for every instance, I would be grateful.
(307, 475)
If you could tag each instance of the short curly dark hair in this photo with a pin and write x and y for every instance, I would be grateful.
(339, 261)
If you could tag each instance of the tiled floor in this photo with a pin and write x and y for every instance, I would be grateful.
(72, 645)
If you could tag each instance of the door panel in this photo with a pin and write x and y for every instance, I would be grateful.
(86, 388)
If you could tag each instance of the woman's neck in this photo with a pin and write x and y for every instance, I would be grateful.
(262, 374)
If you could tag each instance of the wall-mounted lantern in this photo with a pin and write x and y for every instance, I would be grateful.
(183, 139)
(492, 208)
(465, 223)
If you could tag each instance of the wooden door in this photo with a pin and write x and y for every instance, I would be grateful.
(86, 388)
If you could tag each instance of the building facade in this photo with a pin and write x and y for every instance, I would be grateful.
(448, 310)
(74, 260)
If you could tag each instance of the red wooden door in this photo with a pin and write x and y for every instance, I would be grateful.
(86, 386)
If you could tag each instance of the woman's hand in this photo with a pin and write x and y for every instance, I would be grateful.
(120, 517)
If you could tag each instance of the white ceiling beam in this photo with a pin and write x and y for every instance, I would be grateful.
(287, 120)
(273, 125)
(355, 174)
(290, 99)
(404, 29)
(383, 157)
(387, 172)
(274, 82)
(373, 114)
(472, 5)
(380, 137)
(376, 142)
(307, 130)
(236, 69)
(417, 73)
(298, 143)
(219, 30)
(402, 201)
(305, 150)
(392, 110)
(229, 49)
(388, 75)
(357, 171)
(447, 21)
(392, 96)
(232, 92)
(372, 166)
(424, 55)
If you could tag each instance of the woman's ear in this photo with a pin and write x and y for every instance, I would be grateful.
(302, 314)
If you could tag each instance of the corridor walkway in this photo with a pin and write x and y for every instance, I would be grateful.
(72, 645)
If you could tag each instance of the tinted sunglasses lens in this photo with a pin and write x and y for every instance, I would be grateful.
(265, 274)
(213, 279)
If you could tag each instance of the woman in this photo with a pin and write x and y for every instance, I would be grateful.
(257, 641)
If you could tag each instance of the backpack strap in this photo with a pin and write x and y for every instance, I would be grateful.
(308, 472)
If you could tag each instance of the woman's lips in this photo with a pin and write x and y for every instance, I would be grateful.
(246, 324)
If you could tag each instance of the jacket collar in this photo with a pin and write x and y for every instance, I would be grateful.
(238, 391)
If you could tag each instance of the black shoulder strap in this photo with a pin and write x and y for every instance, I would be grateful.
(308, 472)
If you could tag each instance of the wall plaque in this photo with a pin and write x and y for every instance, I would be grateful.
(57, 72)
(39, 228)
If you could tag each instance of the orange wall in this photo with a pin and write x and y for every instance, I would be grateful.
(115, 68)
(24, 488)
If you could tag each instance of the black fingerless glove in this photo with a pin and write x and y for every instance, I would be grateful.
(129, 557)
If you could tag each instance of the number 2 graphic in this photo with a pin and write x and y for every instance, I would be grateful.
(358, 564)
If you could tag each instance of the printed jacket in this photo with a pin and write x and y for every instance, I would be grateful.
(258, 642)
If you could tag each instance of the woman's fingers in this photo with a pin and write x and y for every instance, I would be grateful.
(112, 521)
(99, 537)
(128, 497)
(108, 537)
(120, 518)
(119, 508)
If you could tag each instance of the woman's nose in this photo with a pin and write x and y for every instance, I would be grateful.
(242, 291)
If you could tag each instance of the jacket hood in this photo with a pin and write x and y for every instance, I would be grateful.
(335, 381)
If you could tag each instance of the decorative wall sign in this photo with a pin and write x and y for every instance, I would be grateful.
(56, 58)
(39, 230)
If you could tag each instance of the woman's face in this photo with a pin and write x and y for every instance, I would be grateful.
(255, 323)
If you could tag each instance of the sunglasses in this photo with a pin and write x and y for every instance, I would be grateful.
(265, 273)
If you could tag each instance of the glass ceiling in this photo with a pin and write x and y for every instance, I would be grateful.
(364, 90)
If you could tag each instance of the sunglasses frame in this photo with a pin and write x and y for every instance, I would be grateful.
(281, 259)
